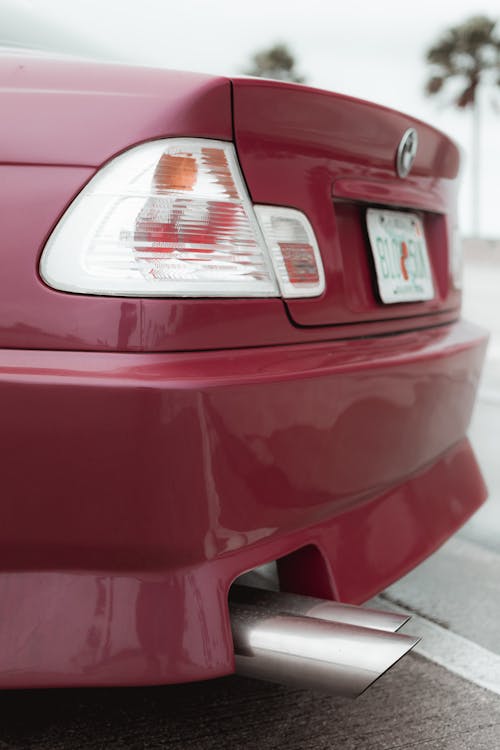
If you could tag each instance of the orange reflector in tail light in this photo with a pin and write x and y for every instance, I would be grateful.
(294, 251)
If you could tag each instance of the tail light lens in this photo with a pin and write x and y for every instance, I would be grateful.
(167, 218)
(172, 218)
(294, 251)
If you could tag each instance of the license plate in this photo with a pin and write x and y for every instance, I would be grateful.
(400, 254)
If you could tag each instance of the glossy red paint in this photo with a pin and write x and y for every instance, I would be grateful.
(155, 449)
(331, 156)
(87, 112)
(143, 484)
(143, 627)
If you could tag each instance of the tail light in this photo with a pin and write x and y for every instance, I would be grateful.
(294, 251)
(172, 218)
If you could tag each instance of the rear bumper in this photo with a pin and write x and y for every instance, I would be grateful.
(136, 487)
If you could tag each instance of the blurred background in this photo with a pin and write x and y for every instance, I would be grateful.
(439, 62)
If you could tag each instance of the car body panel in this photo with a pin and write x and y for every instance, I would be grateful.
(166, 476)
(155, 449)
(136, 627)
(86, 112)
(274, 434)
(331, 156)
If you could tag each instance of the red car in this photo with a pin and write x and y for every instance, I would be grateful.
(230, 335)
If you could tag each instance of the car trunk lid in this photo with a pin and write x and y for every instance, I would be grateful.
(333, 157)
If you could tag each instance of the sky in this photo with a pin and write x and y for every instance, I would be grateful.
(373, 50)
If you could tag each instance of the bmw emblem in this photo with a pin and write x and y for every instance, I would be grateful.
(407, 151)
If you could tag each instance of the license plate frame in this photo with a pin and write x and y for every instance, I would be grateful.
(400, 254)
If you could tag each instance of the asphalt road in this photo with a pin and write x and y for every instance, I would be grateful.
(416, 705)
(435, 698)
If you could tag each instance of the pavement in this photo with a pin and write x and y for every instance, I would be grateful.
(458, 588)
(416, 705)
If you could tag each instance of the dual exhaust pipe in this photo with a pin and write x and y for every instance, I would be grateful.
(313, 643)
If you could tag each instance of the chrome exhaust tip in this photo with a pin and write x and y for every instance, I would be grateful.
(279, 602)
(338, 657)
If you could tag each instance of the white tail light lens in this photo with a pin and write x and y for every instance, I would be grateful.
(294, 251)
(166, 218)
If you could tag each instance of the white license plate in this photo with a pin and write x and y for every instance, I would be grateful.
(400, 254)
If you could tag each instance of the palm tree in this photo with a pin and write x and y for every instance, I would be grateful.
(275, 62)
(469, 55)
